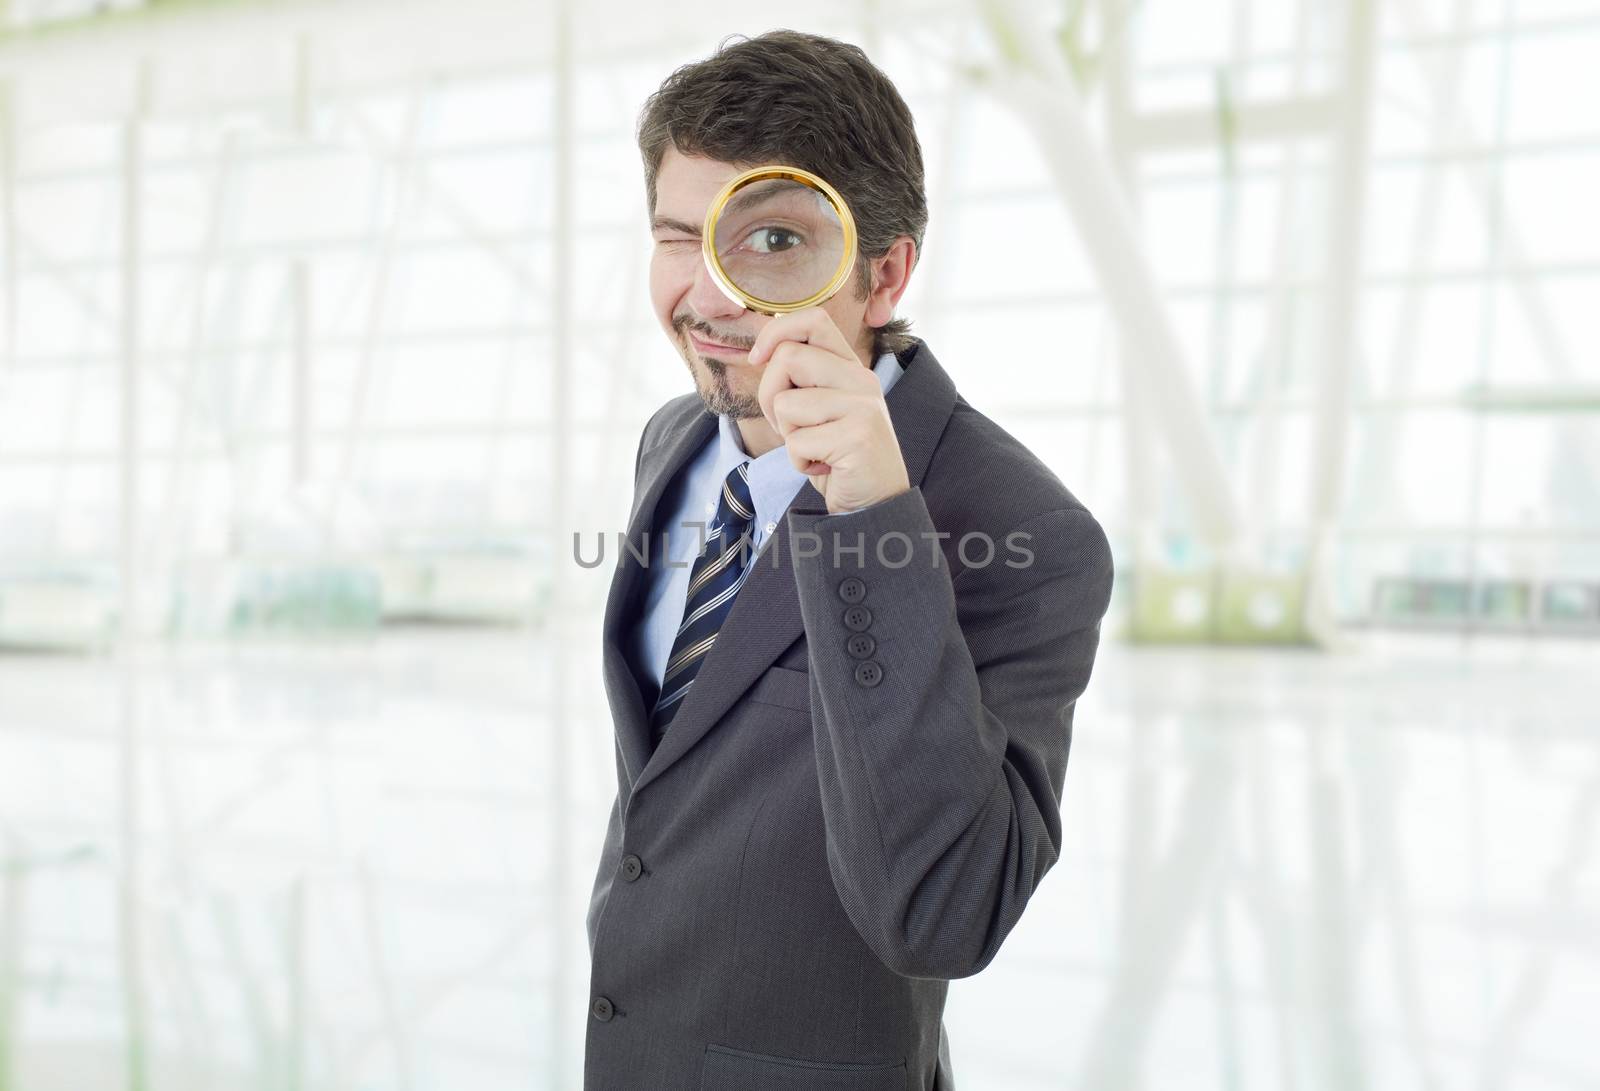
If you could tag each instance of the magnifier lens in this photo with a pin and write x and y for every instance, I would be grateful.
(779, 240)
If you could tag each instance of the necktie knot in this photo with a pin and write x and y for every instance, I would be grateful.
(736, 510)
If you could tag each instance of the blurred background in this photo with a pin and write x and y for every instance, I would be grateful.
(324, 326)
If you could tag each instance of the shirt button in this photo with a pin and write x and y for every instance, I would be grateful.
(632, 867)
(861, 645)
(852, 590)
(868, 674)
(771, 527)
(857, 618)
(601, 1009)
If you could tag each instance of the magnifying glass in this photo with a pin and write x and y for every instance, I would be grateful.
(777, 239)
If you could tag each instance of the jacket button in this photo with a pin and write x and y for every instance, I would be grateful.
(868, 674)
(852, 590)
(857, 618)
(632, 867)
(601, 1009)
(860, 646)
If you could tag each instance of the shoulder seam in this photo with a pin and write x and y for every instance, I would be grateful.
(647, 424)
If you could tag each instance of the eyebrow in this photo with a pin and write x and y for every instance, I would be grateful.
(761, 191)
(740, 201)
(669, 224)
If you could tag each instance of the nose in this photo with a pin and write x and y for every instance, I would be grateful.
(707, 299)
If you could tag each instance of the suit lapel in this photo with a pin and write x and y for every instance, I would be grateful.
(765, 617)
(659, 466)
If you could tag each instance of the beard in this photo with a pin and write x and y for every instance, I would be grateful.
(717, 391)
(712, 377)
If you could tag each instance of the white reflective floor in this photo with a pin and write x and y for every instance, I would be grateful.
(364, 867)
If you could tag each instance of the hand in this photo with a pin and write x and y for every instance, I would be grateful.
(829, 410)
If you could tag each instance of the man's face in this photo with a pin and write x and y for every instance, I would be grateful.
(712, 332)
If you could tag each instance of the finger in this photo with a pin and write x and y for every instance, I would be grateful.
(812, 326)
(803, 406)
(774, 380)
(819, 443)
(812, 365)
(794, 366)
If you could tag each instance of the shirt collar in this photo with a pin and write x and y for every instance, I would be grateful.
(773, 478)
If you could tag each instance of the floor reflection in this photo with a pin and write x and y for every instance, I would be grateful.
(365, 866)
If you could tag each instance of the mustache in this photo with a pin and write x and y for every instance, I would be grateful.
(739, 341)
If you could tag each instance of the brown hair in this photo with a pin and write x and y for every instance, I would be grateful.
(811, 102)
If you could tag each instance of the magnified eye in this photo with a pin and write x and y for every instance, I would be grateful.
(772, 240)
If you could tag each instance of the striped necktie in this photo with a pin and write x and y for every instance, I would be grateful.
(715, 578)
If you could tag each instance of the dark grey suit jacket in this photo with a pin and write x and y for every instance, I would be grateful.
(832, 828)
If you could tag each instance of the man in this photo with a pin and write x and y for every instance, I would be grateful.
(841, 750)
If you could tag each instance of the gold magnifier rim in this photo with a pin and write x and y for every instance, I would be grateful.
(796, 174)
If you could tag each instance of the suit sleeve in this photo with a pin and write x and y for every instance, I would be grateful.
(852, 511)
(941, 781)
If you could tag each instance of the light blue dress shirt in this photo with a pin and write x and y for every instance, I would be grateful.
(692, 498)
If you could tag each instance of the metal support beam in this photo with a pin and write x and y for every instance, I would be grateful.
(565, 1027)
(8, 231)
(1263, 122)
(130, 627)
(1036, 83)
(405, 191)
(1340, 313)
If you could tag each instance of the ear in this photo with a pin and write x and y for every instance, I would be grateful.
(890, 276)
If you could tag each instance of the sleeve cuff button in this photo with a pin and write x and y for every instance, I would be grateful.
(868, 674)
